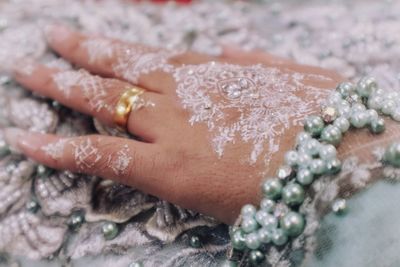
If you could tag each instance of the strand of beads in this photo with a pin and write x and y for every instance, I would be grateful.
(278, 219)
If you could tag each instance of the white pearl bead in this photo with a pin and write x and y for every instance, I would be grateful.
(375, 102)
(396, 114)
(358, 107)
(359, 119)
(291, 158)
(388, 107)
(334, 98)
(342, 123)
(303, 160)
(327, 152)
(372, 114)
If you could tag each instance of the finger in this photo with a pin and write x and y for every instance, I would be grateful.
(92, 95)
(146, 66)
(251, 57)
(123, 160)
(324, 77)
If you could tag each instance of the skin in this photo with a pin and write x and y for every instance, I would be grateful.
(174, 161)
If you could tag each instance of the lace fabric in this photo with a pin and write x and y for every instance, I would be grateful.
(351, 38)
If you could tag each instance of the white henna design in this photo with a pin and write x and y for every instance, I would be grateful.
(254, 103)
(93, 87)
(119, 161)
(130, 60)
(55, 150)
(86, 155)
(98, 49)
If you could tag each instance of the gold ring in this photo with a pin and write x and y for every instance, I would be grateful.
(127, 102)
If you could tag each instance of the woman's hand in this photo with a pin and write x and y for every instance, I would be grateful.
(209, 128)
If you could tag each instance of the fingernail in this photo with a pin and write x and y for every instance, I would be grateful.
(56, 33)
(24, 67)
(12, 136)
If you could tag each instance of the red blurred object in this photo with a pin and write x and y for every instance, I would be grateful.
(165, 1)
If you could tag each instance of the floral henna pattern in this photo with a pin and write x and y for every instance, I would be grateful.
(254, 103)
(93, 88)
(131, 61)
(86, 155)
(55, 150)
(119, 161)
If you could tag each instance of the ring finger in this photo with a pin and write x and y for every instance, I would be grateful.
(92, 95)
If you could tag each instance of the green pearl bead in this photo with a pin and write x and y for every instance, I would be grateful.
(248, 210)
(292, 223)
(136, 264)
(317, 166)
(377, 126)
(339, 207)
(305, 176)
(279, 237)
(314, 125)
(332, 135)
(272, 188)
(252, 241)
(256, 257)
(32, 206)
(4, 150)
(366, 86)
(265, 235)
(333, 166)
(110, 230)
(237, 240)
(76, 220)
(267, 204)
(249, 224)
(392, 155)
(41, 170)
(345, 89)
(359, 119)
(293, 194)
(228, 263)
(195, 241)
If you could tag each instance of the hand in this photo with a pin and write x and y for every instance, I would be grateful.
(209, 128)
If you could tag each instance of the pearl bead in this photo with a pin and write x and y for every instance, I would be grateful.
(359, 119)
(76, 220)
(291, 158)
(375, 102)
(32, 206)
(110, 230)
(249, 224)
(237, 240)
(311, 147)
(265, 235)
(333, 166)
(228, 263)
(279, 237)
(136, 264)
(366, 86)
(302, 137)
(358, 107)
(304, 160)
(252, 241)
(317, 166)
(41, 170)
(292, 223)
(345, 88)
(392, 154)
(334, 98)
(396, 114)
(256, 257)
(314, 125)
(4, 150)
(293, 194)
(305, 176)
(248, 210)
(267, 204)
(339, 206)
(267, 221)
(344, 111)
(388, 107)
(272, 188)
(342, 123)
(377, 126)
(327, 152)
(332, 135)
(372, 114)
(285, 172)
(195, 241)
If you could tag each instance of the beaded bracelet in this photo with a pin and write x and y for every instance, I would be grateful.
(278, 219)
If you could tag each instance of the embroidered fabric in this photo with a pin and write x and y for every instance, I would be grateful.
(349, 37)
